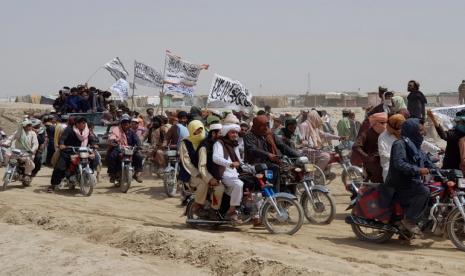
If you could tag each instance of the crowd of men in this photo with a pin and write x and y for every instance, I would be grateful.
(388, 144)
(81, 99)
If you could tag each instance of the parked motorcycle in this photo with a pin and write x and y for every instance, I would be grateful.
(280, 213)
(15, 169)
(79, 171)
(296, 178)
(170, 176)
(445, 214)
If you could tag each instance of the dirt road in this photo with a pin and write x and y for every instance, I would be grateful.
(143, 232)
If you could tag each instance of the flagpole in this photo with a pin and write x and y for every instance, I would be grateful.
(93, 74)
(133, 87)
(162, 93)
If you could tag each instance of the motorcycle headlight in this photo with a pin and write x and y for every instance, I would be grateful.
(13, 161)
(84, 155)
(309, 167)
(345, 153)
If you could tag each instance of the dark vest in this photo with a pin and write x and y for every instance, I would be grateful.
(215, 170)
(452, 152)
(193, 156)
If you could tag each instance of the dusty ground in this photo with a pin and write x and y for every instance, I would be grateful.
(143, 232)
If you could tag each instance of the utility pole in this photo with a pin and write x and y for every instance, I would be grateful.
(308, 83)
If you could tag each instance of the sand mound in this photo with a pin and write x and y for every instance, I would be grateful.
(148, 241)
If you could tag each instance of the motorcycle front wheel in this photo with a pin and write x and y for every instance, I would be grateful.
(126, 178)
(6, 180)
(319, 208)
(86, 185)
(351, 174)
(456, 230)
(288, 219)
(170, 183)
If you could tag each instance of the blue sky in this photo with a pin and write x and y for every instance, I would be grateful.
(344, 45)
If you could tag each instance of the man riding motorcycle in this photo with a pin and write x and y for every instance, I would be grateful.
(25, 139)
(177, 132)
(209, 171)
(39, 129)
(261, 146)
(408, 164)
(189, 172)
(76, 135)
(227, 156)
(123, 135)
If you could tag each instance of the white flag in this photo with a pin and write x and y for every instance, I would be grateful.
(146, 75)
(447, 115)
(179, 88)
(116, 69)
(179, 71)
(121, 87)
(231, 92)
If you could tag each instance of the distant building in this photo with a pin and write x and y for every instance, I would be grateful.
(448, 98)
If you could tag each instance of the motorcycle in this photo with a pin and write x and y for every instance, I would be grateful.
(15, 169)
(445, 213)
(296, 178)
(149, 163)
(350, 173)
(79, 171)
(280, 213)
(170, 175)
(127, 171)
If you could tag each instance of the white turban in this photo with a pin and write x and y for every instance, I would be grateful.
(228, 128)
(215, 127)
(26, 122)
(230, 119)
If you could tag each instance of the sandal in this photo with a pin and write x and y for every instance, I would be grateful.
(234, 218)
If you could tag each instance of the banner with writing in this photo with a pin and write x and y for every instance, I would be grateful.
(179, 71)
(231, 92)
(446, 115)
(116, 69)
(146, 75)
(179, 88)
(121, 87)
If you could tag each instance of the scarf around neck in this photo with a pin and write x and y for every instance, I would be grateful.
(82, 136)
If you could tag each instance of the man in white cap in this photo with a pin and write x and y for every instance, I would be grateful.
(25, 139)
(209, 171)
(138, 129)
(226, 155)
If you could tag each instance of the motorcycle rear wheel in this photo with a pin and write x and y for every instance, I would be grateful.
(456, 230)
(378, 236)
(272, 221)
(318, 176)
(315, 211)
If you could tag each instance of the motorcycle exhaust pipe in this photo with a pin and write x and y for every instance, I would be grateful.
(370, 224)
(204, 221)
